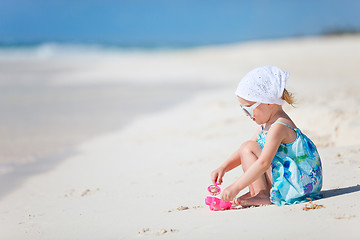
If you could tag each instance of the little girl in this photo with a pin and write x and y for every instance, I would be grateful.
(281, 165)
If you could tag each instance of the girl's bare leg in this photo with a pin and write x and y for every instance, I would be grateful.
(260, 189)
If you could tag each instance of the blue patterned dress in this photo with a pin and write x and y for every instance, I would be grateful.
(296, 170)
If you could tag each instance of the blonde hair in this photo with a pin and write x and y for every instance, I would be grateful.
(288, 97)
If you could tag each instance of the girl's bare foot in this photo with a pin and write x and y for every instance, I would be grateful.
(243, 197)
(262, 198)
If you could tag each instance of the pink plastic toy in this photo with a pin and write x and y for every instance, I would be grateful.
(216, 204)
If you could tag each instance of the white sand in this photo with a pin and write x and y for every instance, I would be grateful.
(134, 180)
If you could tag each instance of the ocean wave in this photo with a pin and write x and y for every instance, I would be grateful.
(52, 49)
(49, 50)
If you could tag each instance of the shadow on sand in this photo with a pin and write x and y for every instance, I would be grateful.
(339, 191)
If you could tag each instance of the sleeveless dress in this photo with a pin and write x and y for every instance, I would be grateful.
(296, 170)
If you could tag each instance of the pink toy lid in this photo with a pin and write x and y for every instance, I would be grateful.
(216, 204)
(214, 189)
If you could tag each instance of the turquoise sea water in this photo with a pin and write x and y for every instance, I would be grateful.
(170, 23)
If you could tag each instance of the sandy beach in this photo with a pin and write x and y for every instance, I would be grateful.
(145, 175)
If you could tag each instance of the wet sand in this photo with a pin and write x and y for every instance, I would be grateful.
(40, 120)
(42, 117)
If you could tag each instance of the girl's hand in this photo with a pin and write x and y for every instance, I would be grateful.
(229, 193)
(217, 175)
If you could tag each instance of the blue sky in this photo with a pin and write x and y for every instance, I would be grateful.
(171, 21)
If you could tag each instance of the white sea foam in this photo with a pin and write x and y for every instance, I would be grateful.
(50, 50)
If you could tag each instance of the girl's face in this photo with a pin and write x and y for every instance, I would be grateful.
(261, 113)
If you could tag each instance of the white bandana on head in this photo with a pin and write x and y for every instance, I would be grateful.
(263, 84)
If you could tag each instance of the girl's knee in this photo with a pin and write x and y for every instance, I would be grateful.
(250, 147)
